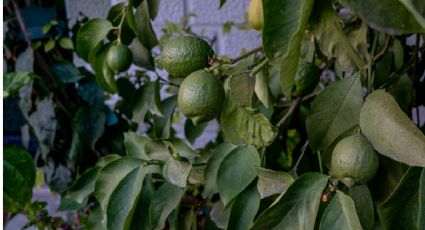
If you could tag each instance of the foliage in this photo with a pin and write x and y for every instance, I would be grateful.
(269, 166)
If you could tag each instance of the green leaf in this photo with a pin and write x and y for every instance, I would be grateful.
(364, 205)
(163, 202)
(67, 72)
(77, 195)
(192, 132)
(124, 198)
(403, 92)
(222, 2)
(334, 111)
(147, 98)
(298, 207)
(153, 8)
(219, 215)
(382, 121)
(110, 177)
(272, 182)
(46, 28)
(157, 150)
(244, 208)
(232, 180)
(66, 43)
(332, 40)
(394, 17)
(141, 56)
(262, 90)
(49, 45)
(13, 82)
(178, 146)
(140, 218)
(143, 26)
(176, 172)
(89, 123)
(135, 145)
(284, 26)
(162, 124)
(105, 77)
(80, 190)
(90, 35)
(19, 177)
(242, 89)
(243, 126)
(340, 214)
(401, 209)
(213, 164)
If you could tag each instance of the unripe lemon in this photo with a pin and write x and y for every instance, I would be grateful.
(184, 55)
(354, 160)
(200, 96)
(119, 58)
(255, 14)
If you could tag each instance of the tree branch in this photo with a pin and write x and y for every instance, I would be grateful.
(388, 43)
(245, 55)
(291, 110)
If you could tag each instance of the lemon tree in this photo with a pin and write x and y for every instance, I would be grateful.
(319, 127)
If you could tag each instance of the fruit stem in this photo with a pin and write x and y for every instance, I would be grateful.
(224, 61)
(120, 25)
(259, 67)
(245, 55)
(303, 149)
(379, 55)
(319, 158)
(370, 64)
(291, 110)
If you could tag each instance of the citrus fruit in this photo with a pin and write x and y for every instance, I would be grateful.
(306, 80)
(184, 55)
(255, 14)
(119, 58)
(354, 160)
(200, 96)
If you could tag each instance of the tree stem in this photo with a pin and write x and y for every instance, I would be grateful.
(291, 110)
(370, 64)
(303, 149)
(245, 55)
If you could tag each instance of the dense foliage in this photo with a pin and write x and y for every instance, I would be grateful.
(327, 71)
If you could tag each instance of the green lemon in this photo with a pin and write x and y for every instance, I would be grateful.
(354, 160)
(306, 80)
(200, 96)
(184, 55)
(119, 58)
(255, 14)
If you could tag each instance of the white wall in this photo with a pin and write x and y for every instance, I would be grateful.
(208, 19)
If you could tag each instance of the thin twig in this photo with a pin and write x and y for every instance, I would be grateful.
(245, 55)
(291, 110)
(370, 64)
(384, 50)
(303, 149)
(22, 24)
(259, 67)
